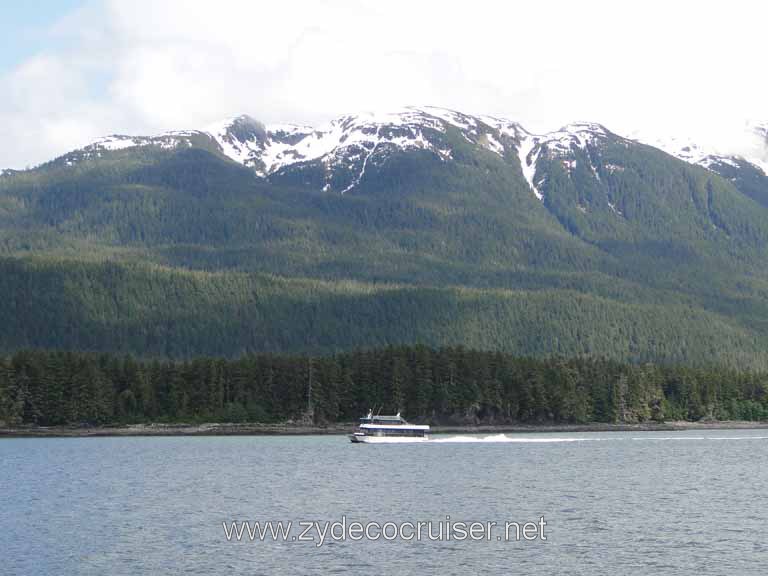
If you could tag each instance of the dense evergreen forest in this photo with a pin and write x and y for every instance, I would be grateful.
(451, 385)
(153, 311)
(156, 251)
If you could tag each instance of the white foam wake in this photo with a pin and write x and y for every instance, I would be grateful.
(523, 439)
(658, 438)
(505, 438)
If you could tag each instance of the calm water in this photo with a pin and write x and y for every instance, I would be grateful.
(614, 503)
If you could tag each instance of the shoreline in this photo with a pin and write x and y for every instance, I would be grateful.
(292, 429)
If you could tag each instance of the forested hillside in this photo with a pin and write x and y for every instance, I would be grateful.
(158, 312)
(468, 232)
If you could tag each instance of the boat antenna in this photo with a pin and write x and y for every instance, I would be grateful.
(309, 387)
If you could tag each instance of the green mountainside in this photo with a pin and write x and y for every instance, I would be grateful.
(176, 250)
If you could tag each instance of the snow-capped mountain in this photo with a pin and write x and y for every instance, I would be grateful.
(336, 156)
(579, 136)
(352, 141)
(344, 148)
(252, 144)
(168, 140)
(752, 151)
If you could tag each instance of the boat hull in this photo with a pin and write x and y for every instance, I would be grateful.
(368, 439)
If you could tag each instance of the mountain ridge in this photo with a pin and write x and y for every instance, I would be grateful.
(269, 148)
(411, 115)
(578, 242)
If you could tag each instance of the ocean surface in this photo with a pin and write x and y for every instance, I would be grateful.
(613, 503)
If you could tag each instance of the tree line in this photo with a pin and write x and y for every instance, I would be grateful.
(449, 385)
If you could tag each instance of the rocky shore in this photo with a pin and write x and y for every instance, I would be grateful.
(294, 429)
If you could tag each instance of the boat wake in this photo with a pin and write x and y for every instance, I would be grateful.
(504, 438)
(518, 439)
(664, 438)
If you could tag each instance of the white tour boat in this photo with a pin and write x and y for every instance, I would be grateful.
(386, 429)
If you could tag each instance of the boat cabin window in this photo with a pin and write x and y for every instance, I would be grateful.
(396, 432)
(383, 420)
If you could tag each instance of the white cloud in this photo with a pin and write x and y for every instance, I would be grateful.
(145, 66)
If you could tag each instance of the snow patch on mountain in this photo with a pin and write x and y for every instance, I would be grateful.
(528, 151)
(281, 145)
(352, 139)
(683, 148)
(459, 120)
(115, 142)
(505, 127)
(489, 142)
(577, 135)
(760, 155)
(240, 139)
(112, 143)
(289, 129)
(751, 147)
(560, 144)
(119, 142)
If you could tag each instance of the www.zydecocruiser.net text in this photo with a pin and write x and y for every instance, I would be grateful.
(344, 530)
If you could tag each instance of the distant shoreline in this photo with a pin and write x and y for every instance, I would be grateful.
(292, 429)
